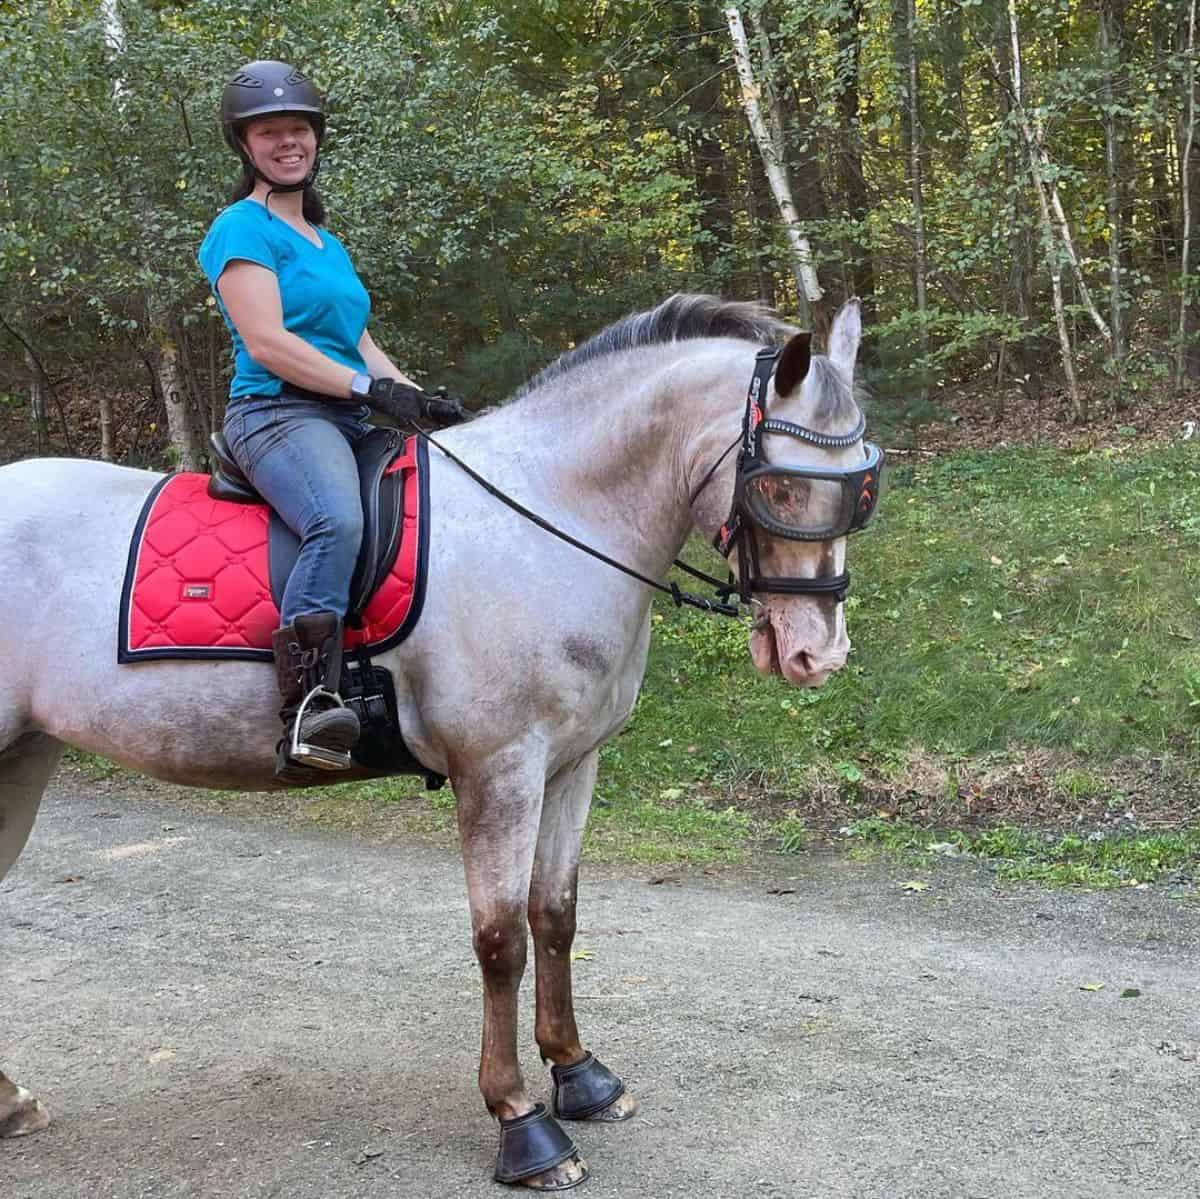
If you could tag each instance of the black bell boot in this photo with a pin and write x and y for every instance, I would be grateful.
(319, 732)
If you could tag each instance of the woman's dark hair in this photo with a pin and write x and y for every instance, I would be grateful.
(314, 206)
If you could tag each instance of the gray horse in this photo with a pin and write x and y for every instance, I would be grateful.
(528, 658)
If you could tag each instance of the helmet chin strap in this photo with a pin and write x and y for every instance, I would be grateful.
(282, 188)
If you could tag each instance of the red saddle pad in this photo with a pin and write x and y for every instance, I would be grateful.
(197, 583)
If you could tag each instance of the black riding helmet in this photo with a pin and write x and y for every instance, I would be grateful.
(269, 88)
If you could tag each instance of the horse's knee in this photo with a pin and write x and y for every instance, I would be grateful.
(553, 923)
(500, 948)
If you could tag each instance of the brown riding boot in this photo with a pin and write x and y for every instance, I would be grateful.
(308, 665)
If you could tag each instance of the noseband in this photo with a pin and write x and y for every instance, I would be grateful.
(775, 499)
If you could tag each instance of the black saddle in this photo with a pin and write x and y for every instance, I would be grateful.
(382, 514)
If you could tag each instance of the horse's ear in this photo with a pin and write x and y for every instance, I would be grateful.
(793, 364)
(845, 336)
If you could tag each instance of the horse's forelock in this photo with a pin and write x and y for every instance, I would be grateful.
(681, 317)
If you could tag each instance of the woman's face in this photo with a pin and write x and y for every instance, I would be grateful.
(283, 147)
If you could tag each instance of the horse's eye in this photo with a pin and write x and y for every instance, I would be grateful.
(784, 496)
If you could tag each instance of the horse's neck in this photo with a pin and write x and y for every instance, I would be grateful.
(611, 453)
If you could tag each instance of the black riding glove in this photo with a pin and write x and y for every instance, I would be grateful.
(445, 408)
(405, 404)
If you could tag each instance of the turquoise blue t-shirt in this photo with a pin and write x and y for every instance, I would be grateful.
(324, 301)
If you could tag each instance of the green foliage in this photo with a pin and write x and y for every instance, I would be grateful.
(1097, 860)
(510, 177)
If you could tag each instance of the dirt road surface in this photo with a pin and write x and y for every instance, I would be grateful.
(213, 1007)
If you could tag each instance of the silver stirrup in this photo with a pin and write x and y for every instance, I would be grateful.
(315, 755)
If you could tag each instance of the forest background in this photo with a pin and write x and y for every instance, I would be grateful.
(1012, 187)
(510, 177)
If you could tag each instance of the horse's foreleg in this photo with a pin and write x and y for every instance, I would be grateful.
(584, 1089)
(499, 805)
(25, 769)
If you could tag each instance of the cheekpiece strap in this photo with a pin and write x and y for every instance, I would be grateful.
(756, 399)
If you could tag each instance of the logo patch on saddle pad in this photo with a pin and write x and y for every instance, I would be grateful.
(204, 576)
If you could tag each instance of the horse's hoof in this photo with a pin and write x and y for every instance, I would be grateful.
(535, 1152)
(589, 1090)
(562, 1177)
(624, 1107)
(21, 1114)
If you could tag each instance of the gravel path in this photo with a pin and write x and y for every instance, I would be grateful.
(212, 1007)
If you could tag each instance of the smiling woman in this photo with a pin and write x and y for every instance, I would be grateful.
(303, 365)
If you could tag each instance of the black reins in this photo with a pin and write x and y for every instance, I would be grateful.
(738, 529)
(681, 598)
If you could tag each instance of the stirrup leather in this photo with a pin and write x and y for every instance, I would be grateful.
(316, 755)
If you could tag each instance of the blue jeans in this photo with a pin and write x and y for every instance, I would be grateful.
(299, 455)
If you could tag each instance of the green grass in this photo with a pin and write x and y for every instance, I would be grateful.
(1028, 612)
(1093, 860)
(1004, 598)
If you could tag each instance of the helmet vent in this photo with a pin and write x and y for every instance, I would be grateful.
(243, 80)
(296, 77)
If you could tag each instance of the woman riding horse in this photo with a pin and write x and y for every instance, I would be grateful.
(305, 370)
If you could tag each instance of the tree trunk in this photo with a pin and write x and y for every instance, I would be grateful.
(37, 404)
(1108, 40)
(807, 287)
(914, 158)
(1053, 258)
(1188, 354)
(105, 409)
(187, 440)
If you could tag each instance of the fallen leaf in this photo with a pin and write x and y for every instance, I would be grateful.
(671, 793)
(1130, 993)
(914, 885)
(161, 1055)
(71, 878)
(781, 890)
(582, 955)
(635, 978)
(1091, 986)
(1062, 560)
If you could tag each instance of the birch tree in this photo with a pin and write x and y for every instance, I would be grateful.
(1043, 177)
(808, 287)
(1112, 197)
(1185, 182)
(1052, 249)
(915, 179)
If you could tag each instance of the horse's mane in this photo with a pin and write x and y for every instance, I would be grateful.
(680, 317)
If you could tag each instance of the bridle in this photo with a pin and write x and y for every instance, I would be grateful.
(852, 494)
(859, 490)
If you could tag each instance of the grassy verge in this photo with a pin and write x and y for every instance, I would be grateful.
(1096, 860)
(1027, 655)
